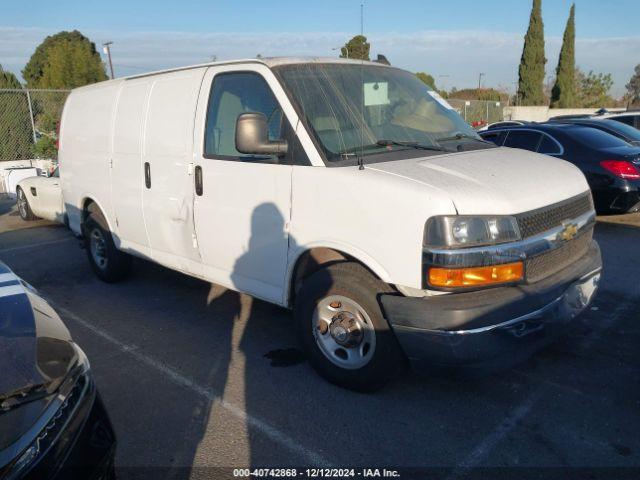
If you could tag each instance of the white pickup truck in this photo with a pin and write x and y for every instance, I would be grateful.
(348, 191)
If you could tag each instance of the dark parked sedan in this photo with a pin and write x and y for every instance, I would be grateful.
(53, 424)
(611, 165)
(617, 129)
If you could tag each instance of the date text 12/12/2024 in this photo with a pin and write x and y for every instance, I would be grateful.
(316, 473)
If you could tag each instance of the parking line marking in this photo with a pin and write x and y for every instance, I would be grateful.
(270, 431)
(521, 411)
(537, 378)
(35, 245)
(497, 435)
(609, 320)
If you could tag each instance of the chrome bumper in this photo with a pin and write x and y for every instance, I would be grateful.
(498, 326)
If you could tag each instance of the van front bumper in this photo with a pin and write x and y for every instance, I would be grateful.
(493, 327)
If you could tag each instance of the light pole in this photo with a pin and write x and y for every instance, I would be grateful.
(107, 50)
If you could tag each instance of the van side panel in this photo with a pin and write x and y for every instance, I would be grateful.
(85, 150)
(168, 148)
(127, 172)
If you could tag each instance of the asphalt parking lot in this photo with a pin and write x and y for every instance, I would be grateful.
(195, 376)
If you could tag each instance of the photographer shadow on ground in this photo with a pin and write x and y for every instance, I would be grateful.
(335, 283)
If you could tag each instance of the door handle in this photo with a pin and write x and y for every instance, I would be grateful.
(198, 180)
(147, 175)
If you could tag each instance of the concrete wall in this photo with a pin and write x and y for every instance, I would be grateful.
(542, 114)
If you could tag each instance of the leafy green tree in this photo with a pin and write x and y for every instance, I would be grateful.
(531, 71)
(357, 48)
(16, 134)
(428, 79)
(633, 87)
(8, 80)
(64, 60)
(593, 89)
(45, 148)
(563, 93)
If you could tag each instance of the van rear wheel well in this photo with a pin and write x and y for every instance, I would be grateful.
(89, 207)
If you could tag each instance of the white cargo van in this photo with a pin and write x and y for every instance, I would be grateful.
(348, 191)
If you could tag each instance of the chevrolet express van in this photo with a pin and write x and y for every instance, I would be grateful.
(348, 191)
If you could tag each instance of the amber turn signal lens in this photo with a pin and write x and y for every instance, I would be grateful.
(476, 276)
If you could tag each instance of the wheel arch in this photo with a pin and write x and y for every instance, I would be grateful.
(310, 259)
(24, 187)
(89, 205)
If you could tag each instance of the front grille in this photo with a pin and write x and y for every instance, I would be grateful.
(55, 426)
(545, 218)
(34, 457)
(546, 264)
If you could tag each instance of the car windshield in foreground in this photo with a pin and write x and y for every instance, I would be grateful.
(372, 111)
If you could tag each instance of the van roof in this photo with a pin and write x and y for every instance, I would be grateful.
(268, 61)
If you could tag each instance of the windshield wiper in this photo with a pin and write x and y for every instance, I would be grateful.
(22, 396)
(416, 145)
(387, 143)
(463, 136)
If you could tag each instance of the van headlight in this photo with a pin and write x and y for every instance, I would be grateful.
(461, 231)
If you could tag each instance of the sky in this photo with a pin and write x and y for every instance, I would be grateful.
(453, 40)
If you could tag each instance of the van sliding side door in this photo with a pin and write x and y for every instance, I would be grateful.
(167, 161)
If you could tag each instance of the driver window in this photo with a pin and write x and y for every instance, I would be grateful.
(231, 95)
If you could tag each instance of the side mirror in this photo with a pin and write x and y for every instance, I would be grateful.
(252, 136)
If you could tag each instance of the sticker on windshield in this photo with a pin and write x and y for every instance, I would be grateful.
(436, 96)
(376, 93)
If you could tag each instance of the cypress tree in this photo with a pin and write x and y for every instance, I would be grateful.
(531, 71)
(563, 93)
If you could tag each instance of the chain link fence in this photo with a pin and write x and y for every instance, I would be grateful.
(478, 113)
(28, 123)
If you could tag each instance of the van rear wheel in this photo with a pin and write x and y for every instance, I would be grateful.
(107, 262)
(342, 329)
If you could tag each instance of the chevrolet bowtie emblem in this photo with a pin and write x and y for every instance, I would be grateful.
(568, 232)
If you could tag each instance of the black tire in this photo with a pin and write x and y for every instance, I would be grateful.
(116, 265)
(353, 281)
(24, 209)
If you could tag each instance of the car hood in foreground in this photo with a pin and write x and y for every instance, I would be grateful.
(493, 181)
(36, 354)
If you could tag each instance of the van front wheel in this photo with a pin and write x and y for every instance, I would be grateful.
(343, 331)
(107, 262)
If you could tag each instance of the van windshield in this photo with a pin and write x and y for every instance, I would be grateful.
(378, 112)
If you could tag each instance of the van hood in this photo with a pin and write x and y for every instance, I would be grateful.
(36, 354)
(496, 181)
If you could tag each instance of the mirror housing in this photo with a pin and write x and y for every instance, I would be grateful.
(252, 136)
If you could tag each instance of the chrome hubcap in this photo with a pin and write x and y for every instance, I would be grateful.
(98, 248)
(344, 332)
